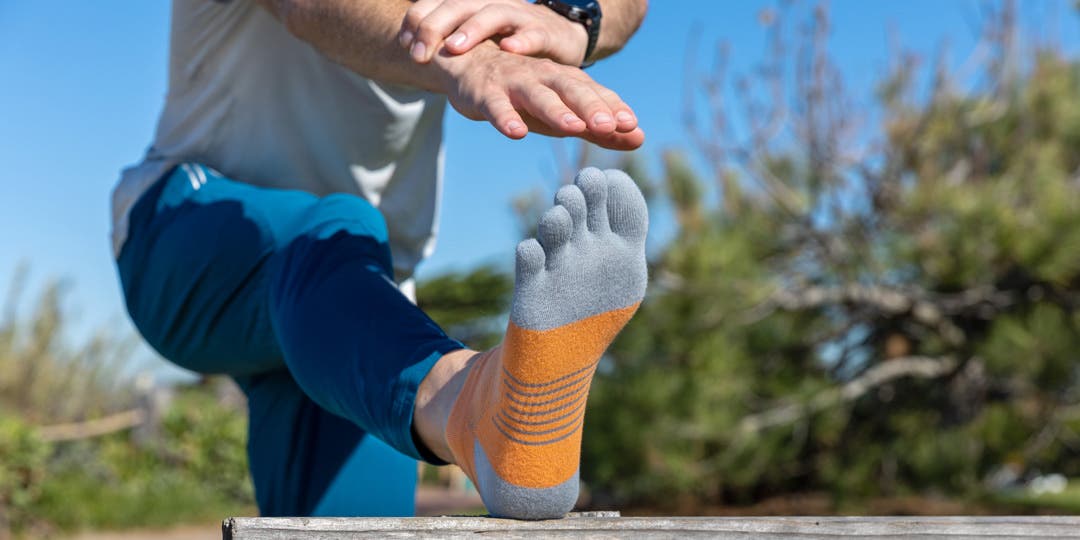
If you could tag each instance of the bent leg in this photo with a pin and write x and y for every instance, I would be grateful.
(197, 271)
(193, 270)
(351, 339)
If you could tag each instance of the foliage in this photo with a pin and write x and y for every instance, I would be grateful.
(869, 314)
(189, 464)
(196, 470)
(22, 467)
(36, 364)
(879, 304)
(208, 439)
(467, 305)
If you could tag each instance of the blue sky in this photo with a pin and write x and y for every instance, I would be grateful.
(83, 83)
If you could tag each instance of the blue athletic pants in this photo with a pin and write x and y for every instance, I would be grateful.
(291, 295)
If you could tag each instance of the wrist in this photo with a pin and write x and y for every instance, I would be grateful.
(579, 37)
(568, 41)
(584, 13)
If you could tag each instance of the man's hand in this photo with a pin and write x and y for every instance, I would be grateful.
(518, 94)
(524, 28)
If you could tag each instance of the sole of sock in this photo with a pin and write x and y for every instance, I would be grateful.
(516, 426)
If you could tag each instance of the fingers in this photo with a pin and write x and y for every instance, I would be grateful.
(561, 104)
(517, 122)
(598, 105)
(625, 120)
(461, 23)
(435, 26)
(612, 141)
(500, 112)
(411, 24)
(458, 26)
(518, 94)
(586, 102)
(492, 20)
(547, 106)
(618, 141)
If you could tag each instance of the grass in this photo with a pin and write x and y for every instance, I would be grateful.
(1067, 501)
(77, 501)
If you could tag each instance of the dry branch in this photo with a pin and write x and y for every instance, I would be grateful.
(887, 300)
(93, 428)
(910, 366)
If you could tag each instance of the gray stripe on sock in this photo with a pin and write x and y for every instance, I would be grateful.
(538, 403)
(501, 420)
(534, 443)
(553, 391)
(519, 382)
(506, 414)
(546, 412)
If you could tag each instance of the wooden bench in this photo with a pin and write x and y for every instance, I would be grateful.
(610, 525)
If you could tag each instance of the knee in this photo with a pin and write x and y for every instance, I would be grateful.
(158, 328)
(336, 232)
(346, 213)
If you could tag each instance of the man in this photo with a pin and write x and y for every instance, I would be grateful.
(248, 242)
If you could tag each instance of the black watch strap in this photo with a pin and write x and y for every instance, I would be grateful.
(585, 12)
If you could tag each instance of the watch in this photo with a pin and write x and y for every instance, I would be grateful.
(586, 12)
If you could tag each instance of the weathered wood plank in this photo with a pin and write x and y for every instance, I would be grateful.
(957, 527)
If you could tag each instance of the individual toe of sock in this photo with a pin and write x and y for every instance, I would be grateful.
(627, 213)
(530, 259)
(593, 185)
(554, 231)
(571, 198)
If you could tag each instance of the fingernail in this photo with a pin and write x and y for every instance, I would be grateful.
(457, 39)
(601, 118)
(624, 116)
(418, 50)
(514, 125)
(570, 119)
(406, 38)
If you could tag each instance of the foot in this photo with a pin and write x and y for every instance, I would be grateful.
(516, 425)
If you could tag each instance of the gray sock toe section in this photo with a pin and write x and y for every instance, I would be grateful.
(571, 198)
(530, 259)
(585, 270)
(627, 213)
(505, 500)
(593, 184)
(554, 230)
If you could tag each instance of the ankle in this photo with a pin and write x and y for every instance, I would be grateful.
(435, 398)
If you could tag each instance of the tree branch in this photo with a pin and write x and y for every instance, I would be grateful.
(892, 301)
(93, 428)
(910, 366)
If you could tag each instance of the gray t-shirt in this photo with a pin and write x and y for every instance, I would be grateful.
(263, 107)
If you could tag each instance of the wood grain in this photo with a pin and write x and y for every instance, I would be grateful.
(653, 528)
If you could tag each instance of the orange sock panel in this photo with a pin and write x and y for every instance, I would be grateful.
(525, 400)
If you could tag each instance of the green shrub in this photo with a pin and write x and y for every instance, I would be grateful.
(195, 470)
(23, 457)
(194, 467)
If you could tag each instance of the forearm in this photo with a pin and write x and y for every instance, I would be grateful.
(621, 19)
(360, 35)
